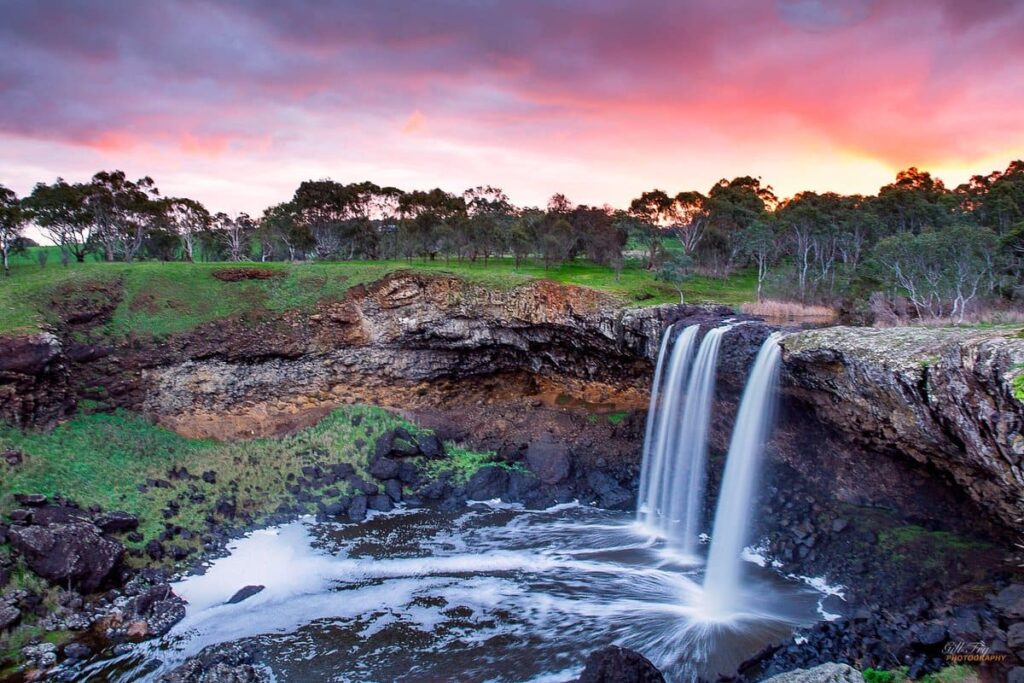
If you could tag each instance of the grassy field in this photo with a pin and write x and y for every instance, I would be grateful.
(164, 298)
(102, 458)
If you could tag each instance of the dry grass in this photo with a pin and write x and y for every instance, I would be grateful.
(774, 309)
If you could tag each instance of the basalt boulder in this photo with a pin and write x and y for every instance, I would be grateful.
(619, 665)
(75, 553)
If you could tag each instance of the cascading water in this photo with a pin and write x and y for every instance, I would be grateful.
(663, 427)
(687, 483)
(722, 578)
(675, 450)
(653, 422)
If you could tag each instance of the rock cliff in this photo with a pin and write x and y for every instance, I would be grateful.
(942, 396)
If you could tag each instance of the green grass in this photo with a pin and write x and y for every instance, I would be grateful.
(164, 298)
(900, 542)
(100, 459)
(462, 463)
(949, 674)
(1018, 382)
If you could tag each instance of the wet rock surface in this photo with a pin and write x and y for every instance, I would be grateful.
(619, 665)
(229, 663)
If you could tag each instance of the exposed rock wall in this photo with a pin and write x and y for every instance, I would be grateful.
(943, 397)
(34, 388)
(407, 341)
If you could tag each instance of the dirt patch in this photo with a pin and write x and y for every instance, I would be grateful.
(240, 274)
(86, 303)
(145, 302)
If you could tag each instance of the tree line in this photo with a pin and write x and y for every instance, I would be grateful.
(937, 250)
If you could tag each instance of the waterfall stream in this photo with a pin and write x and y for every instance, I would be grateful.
(732, 516)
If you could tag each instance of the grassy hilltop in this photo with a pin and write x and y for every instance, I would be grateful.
(162, 298)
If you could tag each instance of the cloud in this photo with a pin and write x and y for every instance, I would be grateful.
(615, 90)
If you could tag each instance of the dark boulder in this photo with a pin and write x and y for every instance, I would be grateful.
(487, 483)
(393, 489)
(337, 508)
(408, 473)
(30, 499)
(611, 494)
(618, 665)
(77, 651)
(210, 477)
(549, 461)
(116, 522)
(433, 490)
(20, 515)
(160, 608)
(227, 663)
(383, 468)
(357, 510)
(1009, 602)
(431, 446)
(155, 550)
(395, 443)
(380, 503)
(9, 616)
(360, 485)
(73, 554)
(342, 470)
(54, 514)
(226, 507)
(928, 636)
(520, 485)
(244, 594)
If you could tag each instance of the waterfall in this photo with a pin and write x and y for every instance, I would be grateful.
(666, 402)
(675, 448)
(685, 486)
(653, 418)
(735, 500)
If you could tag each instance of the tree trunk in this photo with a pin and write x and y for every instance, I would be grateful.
(7, 265)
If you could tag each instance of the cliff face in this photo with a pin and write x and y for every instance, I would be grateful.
(34, 387)
(406, 341)
(943, 397)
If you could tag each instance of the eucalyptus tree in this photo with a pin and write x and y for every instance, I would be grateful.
(61, 213)
(13, 218)
(188, 219)
(914, 202)
(235, 234)
(942, 272)
(732, 206)
(489, 215)
(760, 242)
(691, 214)
(122, 211)
(653, 211)
(675, 269)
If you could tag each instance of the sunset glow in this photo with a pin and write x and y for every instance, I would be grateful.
(235, 103)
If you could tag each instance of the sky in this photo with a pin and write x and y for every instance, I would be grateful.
(236, 102)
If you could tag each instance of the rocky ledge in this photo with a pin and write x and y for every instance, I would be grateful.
(945, 397)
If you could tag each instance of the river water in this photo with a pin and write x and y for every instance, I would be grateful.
(490, 593)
